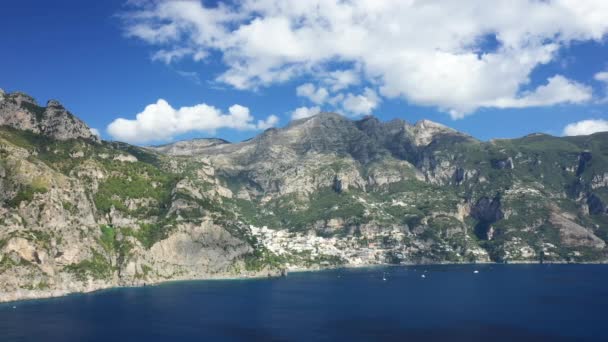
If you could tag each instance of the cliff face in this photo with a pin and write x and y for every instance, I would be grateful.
(21, 111)
(79, 214)
(452, 197)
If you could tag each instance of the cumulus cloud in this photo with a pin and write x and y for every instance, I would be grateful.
(557, 90)
(316, 95)
(428, 52)
(271, 121)
(601, 76)
(361, 104)
(340, 79)
(161, 122)
(349, 103)
(305, 112)
(168, 56)
(586, 127)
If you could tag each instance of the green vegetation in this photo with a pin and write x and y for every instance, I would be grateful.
(262, 258)
(112, 245)
(108, 238)
(41, 285)
(26, 194)
(97, 267)
(294, 213)
(149, 234)
(135, 181)
(68, 206)
(6, 263)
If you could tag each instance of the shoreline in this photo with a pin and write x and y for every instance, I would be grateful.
(32, 295)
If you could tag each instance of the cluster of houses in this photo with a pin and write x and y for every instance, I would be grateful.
(353, 250)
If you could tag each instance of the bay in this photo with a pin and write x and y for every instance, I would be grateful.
(451, 302)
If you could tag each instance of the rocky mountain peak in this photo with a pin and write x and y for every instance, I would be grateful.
(365, 140)
(19, 98)
(432, 126)
(54, 104)
(21, 111)
(425, 131)
(370, 120)
(189, 147)
(323, 118)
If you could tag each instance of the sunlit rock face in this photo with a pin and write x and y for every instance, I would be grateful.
(21, 111)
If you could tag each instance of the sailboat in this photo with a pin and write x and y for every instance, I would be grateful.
(384, 276)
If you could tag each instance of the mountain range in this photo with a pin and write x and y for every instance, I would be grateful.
(79, 214)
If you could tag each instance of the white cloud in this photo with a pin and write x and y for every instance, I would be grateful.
(161, 122)
(362, 103)
(270, 121)
(586, 127)
(168, 56)
(601, 76)
(316, 95)
(304, 112)
(427, 52)
(341, 79)
(352, 104)
(557, 90)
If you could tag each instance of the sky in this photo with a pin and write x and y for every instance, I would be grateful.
(151, 72)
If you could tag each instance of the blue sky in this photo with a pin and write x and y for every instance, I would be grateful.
(106, 60)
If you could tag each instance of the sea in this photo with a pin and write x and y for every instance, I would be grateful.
(492, 302)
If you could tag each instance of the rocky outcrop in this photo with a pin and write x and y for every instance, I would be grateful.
(188, 147)
(573, 234)
(600, 181)
(21, 111)
(425, 131)
(503, 163)
(584, 159)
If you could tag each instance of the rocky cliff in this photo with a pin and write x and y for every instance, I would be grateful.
(21, 111)
(79, 214)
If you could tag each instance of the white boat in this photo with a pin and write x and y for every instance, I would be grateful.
(476, 271)
(423, 276)
(384, 276)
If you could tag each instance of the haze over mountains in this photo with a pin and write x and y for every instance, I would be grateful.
(80, 214)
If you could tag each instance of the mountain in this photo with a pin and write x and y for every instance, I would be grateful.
(20, 111)
(80, 214)
(188, 147)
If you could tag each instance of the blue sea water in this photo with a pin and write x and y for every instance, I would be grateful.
(451, 303)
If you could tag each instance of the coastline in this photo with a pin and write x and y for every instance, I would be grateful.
(27, 295)
(23, 295)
